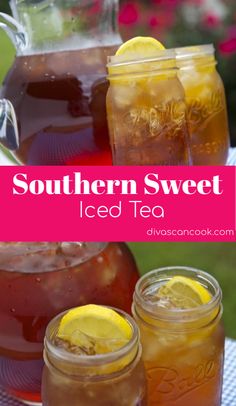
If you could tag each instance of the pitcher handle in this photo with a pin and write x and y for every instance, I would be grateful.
(15, 31)
(9, 135)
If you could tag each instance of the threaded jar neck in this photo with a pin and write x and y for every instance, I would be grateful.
(198, 55)
(98, 367)
(163, 62)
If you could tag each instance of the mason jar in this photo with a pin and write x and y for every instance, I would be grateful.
(114, 378)
(146, 111)
(206, 104)
(183, 348)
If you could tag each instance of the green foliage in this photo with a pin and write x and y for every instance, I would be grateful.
(4, 6)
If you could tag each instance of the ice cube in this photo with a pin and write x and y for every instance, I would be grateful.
(86, 347)
(126, 94)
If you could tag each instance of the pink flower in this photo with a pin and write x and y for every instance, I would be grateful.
(211, 20)
(129, 14)
(163, 19)
(228, 46)
(153, 22)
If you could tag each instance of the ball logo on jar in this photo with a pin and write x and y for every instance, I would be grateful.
(169, 384)
(200, 111)
(209, 148)
(165, 119)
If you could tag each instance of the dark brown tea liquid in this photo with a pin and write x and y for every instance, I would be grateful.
(60, 102)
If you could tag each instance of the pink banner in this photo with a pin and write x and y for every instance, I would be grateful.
(117, 203)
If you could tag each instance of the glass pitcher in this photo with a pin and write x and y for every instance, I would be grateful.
(57, 83)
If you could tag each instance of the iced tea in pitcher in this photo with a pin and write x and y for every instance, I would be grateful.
(60, 105)
(178, 311)
(40, 280)
(57, 83)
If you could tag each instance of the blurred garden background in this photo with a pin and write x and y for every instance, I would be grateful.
(175, 22)
(219, 259)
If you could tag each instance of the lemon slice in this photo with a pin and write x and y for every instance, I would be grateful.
(185, 292)
(136, 63)
(94, 329)
(141, 47)
(137, 50)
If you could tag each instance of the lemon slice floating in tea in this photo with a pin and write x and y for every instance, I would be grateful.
(184, 292)
(94, 329)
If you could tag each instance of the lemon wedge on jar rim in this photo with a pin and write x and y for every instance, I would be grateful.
(140, 47)
(95, 329)
(136, 49)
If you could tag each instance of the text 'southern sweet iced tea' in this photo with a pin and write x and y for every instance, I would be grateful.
(183, 349)
(146, 112)
(60, 103)
(114, 378)
(206, 105)
(36, 283)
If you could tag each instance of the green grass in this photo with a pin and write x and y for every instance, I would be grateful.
(219, 259)
(7, 54)
(7, 57)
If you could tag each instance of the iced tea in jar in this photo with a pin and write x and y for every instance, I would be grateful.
(178, 311)
(39, 281)
(146, 107)
(93, 358)
(206, 105)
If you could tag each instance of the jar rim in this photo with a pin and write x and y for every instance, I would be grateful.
(188, 52)
(176, 315)
(121, 60)
(91, 360)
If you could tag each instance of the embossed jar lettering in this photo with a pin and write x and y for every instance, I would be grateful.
(171, 384)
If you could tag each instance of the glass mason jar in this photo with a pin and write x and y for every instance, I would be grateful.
(115, 378)
(146, 111)
(183, 349)
(206, 105)
(39, 281)
(57, 83)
